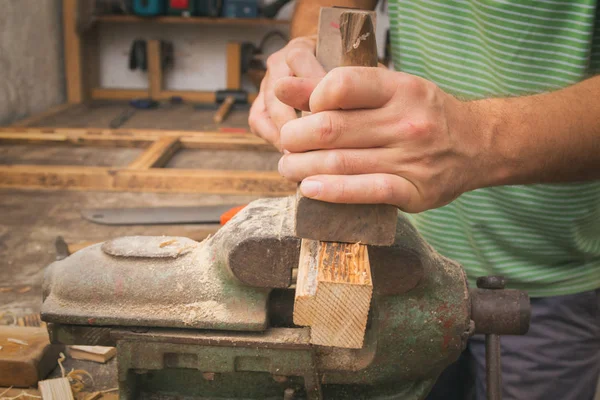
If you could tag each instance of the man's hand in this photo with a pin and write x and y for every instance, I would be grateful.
(378, 136)
(268, 114)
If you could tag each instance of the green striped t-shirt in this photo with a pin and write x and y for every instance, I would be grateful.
(544, 238)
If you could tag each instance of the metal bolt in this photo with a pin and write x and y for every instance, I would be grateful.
(491, 282)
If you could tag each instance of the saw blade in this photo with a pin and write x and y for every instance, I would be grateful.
(157, 215)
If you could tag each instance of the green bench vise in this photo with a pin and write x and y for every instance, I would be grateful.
(213, 320)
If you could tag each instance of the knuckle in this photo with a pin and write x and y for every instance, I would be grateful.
(384, 190)
(420, 129)
(343, 82)
(273, 60)
(329, 130)
(295, 55)
(336, 162)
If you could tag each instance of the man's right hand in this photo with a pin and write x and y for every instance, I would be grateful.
(268, 114)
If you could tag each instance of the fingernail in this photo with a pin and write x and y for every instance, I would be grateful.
(286, 151)
(311, 188)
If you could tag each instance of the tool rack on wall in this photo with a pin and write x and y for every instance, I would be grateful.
(144, 174)
(81, 52)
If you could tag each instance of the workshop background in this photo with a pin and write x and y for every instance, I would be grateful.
(114, 105)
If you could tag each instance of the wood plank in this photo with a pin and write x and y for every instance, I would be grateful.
(56, 389)
(118, 94)
(155, 73)
(333, 292)
(26, 355)
(76, 140)
(73, 52)
(158, 180)
(193, 96)
(365, 223)
(234, 66)
(175, 180)
(126, 132)
(57, 109)
(100, 354)
(158, 154)
(133, 138)
(192, 20)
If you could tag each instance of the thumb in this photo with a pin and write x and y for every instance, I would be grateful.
(295, 92)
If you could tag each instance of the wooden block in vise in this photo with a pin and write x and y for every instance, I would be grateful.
(333, 292)
(26, 355)
(346, 38)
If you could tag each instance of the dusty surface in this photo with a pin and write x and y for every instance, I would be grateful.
(30, 221)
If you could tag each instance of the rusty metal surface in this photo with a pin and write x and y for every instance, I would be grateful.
(412, 336)
(274, 338)
(502, 312)
(261, 250)
(493, 367)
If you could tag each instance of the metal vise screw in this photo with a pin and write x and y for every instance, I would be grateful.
(493, 363)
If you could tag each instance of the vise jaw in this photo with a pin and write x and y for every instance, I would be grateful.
(214, 319)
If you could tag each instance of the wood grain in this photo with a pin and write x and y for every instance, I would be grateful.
(171, 180)
(158, 154)
(193, 20)
(132, 138)
(234, 66)
(73, 52)
(333, 292)
(56, 389)
(155, 73)
(26, 355)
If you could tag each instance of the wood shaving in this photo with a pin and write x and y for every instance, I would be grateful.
(17, 341)
(5, 289)
(76, 376)
(24, 289)
(22, 394)
(168, 242)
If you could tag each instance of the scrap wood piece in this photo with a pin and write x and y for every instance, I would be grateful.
(27, 355)
(100, 354)
(333, 292)
(56, 389)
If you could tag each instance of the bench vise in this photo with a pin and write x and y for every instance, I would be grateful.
(213, 320)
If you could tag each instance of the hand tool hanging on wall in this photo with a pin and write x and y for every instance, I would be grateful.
(138, 55)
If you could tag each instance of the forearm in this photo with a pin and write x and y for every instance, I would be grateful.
(306, 14)
(545, 138)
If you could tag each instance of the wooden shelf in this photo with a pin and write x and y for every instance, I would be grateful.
(192, 20)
